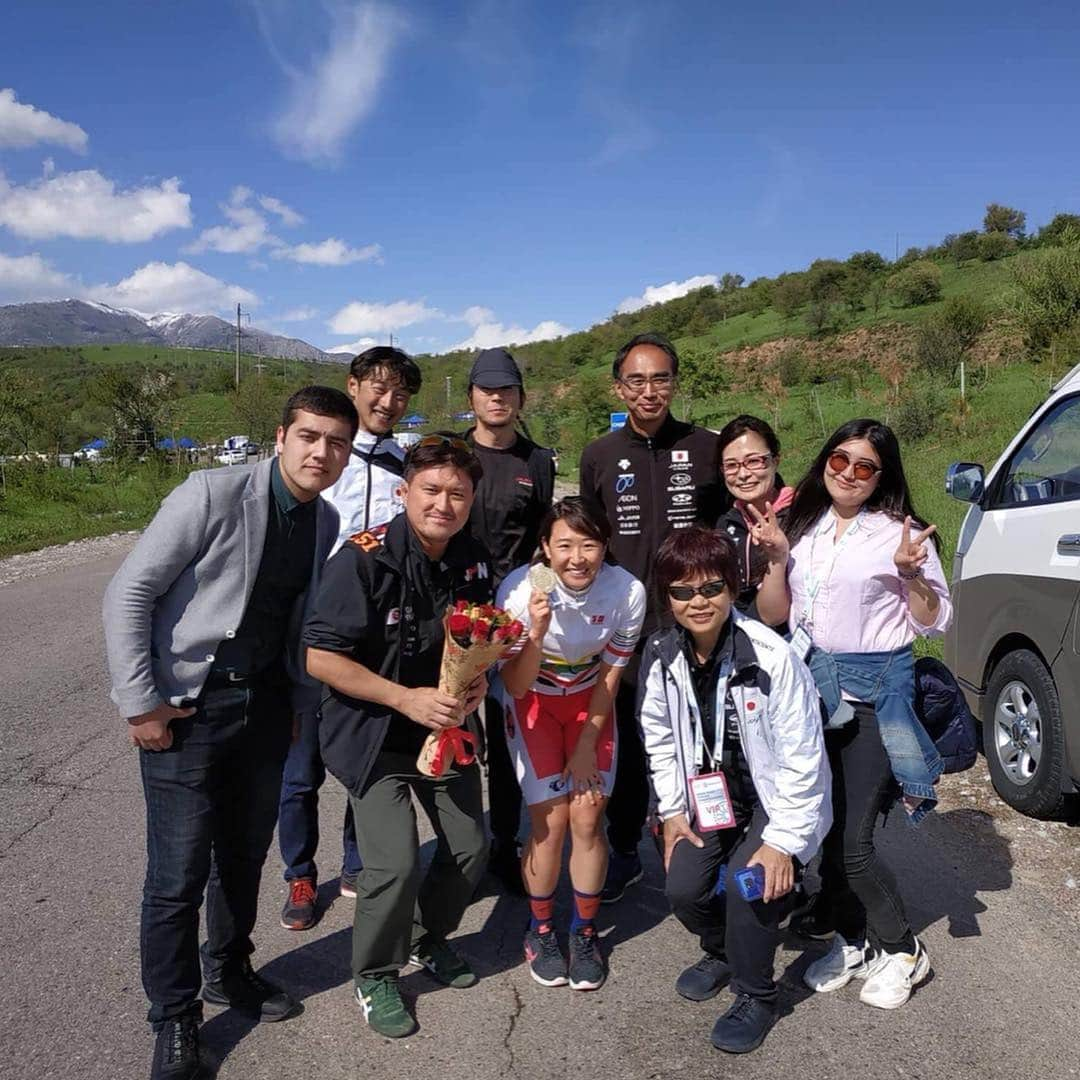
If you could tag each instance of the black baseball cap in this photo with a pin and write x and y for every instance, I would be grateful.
(493, 368)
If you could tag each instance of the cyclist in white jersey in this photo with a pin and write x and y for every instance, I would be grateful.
(560, 686)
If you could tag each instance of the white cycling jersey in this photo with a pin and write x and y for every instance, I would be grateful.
(366, 494)
(599, 625)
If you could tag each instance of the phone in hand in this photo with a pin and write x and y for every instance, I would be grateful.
(751, 882)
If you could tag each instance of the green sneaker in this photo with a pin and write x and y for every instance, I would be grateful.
(442, 962)
(384, 1010)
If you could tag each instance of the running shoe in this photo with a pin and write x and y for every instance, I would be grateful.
(623, 871)
(586, 963)
(893, 976)
(842, 963)
(445, 964)
(547, 965)
(703, 980)
(744, 1026)
(299, 910)
(384, 1011)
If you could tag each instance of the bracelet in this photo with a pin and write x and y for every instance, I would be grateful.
(914, 576)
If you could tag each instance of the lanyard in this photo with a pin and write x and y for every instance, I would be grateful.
(815, 581)
(701, 751)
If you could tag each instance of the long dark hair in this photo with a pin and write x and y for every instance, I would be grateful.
(891, 496)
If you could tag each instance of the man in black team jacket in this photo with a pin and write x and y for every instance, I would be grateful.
(511, 501)
(375, 639)
(649, 477)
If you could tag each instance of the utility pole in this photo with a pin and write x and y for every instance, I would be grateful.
(447, 393)
(239, 332)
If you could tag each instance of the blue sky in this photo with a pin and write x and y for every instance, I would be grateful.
(492, 171)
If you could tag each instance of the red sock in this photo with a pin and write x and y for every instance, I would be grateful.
(542, 908)
(586, 905)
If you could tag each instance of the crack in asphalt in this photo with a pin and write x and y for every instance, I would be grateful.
(519, 1007)
(5, 851)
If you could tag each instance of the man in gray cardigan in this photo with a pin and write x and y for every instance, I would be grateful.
(202, 627)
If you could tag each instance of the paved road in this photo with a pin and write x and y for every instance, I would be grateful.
(994, 896)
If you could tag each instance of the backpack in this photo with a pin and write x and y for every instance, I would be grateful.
(941, 706)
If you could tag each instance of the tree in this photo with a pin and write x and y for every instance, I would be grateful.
(257, 405)
(141, 405)
(919, 283)
(1059, 230)
(948, 335)
(1004, 219)
(1049, 283)
(789, 294)
(963, 247)
(19, 399)
(995, 245)
(731, 282)
(855, 285)
(870, 261)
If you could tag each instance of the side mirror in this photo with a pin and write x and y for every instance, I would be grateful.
(965, 481)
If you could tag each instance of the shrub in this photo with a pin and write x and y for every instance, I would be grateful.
(918, 283)
(995, 245)
(917, 414)
(790, 367)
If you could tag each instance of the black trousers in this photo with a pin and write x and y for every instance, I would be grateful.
(629, 803)
(743, 932)
(856, 885)
(504, 792)
(211, 805)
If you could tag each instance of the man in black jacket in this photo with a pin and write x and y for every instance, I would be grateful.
(511, 501)
(649, 477)
(375, 638)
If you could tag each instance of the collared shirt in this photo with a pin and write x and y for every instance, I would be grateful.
(284, 573)
(861, 602)
(366, 494)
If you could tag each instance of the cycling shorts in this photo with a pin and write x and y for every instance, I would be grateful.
(542, 731)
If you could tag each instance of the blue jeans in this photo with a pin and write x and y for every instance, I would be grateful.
(211, 805)
(885, 680)
(298, 815)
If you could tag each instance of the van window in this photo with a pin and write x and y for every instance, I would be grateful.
(1046, 466)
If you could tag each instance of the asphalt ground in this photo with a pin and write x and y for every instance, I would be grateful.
(993, 895)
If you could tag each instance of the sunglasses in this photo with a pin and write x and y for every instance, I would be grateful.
(442, 440)
(708, 590)
(839, 460)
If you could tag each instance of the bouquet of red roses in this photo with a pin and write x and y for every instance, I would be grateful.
(477, 635)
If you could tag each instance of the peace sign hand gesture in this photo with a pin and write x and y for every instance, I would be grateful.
(912, 552)
(766, 533)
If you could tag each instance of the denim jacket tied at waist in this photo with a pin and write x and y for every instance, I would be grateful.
(885, 680)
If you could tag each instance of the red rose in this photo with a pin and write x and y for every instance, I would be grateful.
(461, 605)
(460, 627)
(480, 630)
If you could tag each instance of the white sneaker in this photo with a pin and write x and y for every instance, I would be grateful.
(841, 964)
(893, 976)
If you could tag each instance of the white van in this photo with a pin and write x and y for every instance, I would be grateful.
(1014, 643)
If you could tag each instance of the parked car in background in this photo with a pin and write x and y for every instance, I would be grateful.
(232, 457)
(1014, 643)
(405, 439)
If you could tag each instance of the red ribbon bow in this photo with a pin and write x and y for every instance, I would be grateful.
(454, 744)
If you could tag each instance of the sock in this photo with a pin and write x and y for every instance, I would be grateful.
(542, 908)
(586, 906)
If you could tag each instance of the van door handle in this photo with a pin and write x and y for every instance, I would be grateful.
(1069, 544)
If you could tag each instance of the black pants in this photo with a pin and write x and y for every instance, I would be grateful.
(857, 886)
(629, 803)
(504, 793)
(743, 932)
(211, 805)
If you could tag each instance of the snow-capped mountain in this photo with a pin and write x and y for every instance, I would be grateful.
(81, 322)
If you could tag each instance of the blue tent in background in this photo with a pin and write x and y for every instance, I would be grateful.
(185, 442)
(95, 444)
(414, 421)
(464, 417)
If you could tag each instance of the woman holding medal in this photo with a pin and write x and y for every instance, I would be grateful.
(865, 580)
(583, 618)
(732, 730)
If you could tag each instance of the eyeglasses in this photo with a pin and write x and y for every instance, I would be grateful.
(862, 469)
(685, 593)
(443, 440)
(636, 383)
(752, 463)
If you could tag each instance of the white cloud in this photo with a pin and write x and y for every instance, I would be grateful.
(159, 286)
(30, 277)
(297, 314)
(23, 125)
(289, 217)
(86, 206)
(329, 252)
(354, 347)
(363, 318)
(332, 94)
(488, 334)
(248, 232)
(476, 315)
(658, 294)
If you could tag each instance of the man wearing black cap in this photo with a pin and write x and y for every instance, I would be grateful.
(511, 500)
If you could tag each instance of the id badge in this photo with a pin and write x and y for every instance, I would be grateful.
(712, 803)
(801, 641)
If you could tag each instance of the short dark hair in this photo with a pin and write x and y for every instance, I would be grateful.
(695, 550)
(450, 449)
(742, 424)
(399, 365)
(658, 341)
(322, 401)
(579, 515)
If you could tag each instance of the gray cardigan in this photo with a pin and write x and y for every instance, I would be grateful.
(185, 586)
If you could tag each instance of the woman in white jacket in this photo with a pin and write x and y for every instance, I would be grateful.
(733, 733)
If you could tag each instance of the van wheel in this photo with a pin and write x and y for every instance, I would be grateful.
(1022, 735)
